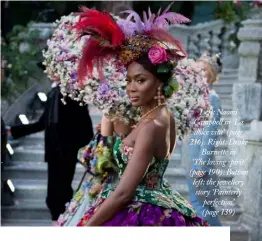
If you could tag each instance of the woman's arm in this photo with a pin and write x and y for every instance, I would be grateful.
(107, 126)
(121, 128)
(134, 173)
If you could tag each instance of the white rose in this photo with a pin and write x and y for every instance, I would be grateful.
(88, 90)
(191, 101)
(186, 112)
(183, 103)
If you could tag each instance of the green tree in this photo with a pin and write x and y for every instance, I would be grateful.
(21, 55)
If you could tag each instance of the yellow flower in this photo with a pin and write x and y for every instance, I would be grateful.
(79, 197)
(99, 150)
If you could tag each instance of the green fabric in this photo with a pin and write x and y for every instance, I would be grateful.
(153, 188)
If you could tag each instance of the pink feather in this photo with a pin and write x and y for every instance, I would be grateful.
(159, 11)
(144, 17)
(168, 7)
(138, 21)
(149, 23)
(172, 18)
(149, 12)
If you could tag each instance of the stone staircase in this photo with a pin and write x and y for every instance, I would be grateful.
(224, 87)
(28, 172)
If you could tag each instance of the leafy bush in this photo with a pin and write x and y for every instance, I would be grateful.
(235, 12)
(21, 53)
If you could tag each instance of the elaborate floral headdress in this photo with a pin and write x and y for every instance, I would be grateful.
(189, 104)
(213, 60)
(61, 59)
(127, 40)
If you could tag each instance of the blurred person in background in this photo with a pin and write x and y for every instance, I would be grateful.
(68, 127)
(195, 143)
(96, 155)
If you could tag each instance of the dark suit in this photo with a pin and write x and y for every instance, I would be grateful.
(67, 128)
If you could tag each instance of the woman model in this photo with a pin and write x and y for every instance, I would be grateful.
(138, 196)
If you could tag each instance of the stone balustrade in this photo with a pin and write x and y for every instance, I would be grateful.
(212, 36)
(247, 100)
(247, 92)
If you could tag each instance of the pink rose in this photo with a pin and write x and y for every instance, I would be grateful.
(157, 55)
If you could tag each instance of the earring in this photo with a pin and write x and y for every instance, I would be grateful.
(159, 97)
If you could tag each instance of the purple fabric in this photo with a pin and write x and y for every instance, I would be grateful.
(145, 214)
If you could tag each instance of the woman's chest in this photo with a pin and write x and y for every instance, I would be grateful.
(130, 140)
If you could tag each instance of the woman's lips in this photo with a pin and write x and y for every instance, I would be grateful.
(134, 99)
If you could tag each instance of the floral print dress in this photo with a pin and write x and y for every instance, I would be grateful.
(96, 157)
(154, 202)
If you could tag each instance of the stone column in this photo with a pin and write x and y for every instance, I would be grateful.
(247, 98)
(247, 91)
(230, 58)
(252, 193)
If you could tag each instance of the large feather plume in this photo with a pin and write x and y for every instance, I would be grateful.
(106, 37)
(150, 21)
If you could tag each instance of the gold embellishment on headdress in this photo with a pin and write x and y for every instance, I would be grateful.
(134, 47)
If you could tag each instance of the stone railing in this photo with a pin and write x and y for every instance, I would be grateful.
(247, 101)
(212, 36)
(46, 30)
(247, 95)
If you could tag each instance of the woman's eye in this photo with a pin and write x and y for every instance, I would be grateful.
(140, 80)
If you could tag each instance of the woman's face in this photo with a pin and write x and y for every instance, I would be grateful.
(141, 85)
(202, 65)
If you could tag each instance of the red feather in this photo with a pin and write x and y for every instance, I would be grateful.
(101, 24)
(85, 63)
(106, 37)
(162, 35)
(93, 54)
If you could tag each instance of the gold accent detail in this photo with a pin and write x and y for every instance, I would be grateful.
(150, 111)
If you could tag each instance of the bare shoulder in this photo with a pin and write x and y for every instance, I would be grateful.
(148, 128)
